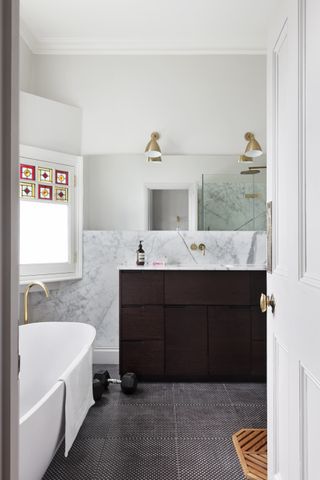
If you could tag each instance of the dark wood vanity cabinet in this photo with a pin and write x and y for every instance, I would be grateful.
(186, 341)
(229, 340)
(192, 325)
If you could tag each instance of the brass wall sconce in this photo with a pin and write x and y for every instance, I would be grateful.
(153, 151)
(244, 159)
(253, 148)
(253, 170)
(250, 172)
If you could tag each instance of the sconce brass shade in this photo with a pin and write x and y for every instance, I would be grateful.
(244, 159)
(253, 148)
(250, 172)
(153, 151)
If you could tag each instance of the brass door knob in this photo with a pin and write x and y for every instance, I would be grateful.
(266, 301)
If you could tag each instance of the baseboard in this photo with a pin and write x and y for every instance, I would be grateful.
(106, 355)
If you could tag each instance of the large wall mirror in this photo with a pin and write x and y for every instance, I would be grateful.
(182, 192)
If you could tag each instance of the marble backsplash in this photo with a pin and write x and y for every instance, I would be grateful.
(95, 298)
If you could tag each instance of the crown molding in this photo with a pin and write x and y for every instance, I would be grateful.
(100, 46)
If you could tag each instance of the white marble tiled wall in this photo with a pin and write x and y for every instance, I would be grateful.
(95, 298)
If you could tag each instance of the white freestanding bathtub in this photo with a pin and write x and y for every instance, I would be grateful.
(46, 350)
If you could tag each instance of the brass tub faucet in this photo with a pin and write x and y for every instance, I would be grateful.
(26, 295)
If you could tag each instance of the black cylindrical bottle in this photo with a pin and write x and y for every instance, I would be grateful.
(140, 255)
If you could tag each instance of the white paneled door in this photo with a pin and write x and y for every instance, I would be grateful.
(294, 187)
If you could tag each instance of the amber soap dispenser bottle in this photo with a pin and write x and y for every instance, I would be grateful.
(140, 255)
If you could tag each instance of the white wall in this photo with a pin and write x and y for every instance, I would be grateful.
(114, 185)
(45, 123)
(48, 124)
(199, 104)
(25, 67)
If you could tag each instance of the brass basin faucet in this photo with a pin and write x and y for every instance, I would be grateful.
(202, 247)
(26, 295)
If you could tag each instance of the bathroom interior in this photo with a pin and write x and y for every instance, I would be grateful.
(143, 243)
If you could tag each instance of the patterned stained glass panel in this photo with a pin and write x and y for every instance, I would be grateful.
(44, 192)
(45, 174)
(27, 172)
(62, 178)
(61, 194)
(27, 190)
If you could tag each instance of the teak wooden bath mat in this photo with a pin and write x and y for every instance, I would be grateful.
(251, 447)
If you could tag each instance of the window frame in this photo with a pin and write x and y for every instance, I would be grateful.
(55, 272)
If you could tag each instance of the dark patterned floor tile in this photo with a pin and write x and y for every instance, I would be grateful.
(252, 416)
(138, 459)
(247, 393)
(200, 393)
(98, 421)
(140, 437)
(80, 464)
(107, 418)
(208, 460)
(205, 421)
(142, 421)
(150, 393)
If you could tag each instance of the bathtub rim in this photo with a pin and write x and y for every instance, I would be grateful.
(58, 383)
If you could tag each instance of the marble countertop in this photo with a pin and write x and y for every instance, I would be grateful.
(192, 267)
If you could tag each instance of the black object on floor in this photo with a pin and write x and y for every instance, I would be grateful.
(102, 380)
(164, 431)
(97, 388)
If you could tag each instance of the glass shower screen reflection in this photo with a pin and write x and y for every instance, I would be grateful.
(233, 202)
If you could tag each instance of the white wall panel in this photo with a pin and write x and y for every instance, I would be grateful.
(280, 153)
(309, 424)
(309, 171)
(280, 415)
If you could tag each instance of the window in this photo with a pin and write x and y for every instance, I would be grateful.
(50, 192)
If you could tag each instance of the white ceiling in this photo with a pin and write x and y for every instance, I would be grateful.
(143, 26)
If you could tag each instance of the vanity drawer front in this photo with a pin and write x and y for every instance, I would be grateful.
(259, 324)
(141, 288)
(142, 323)
(145, 358)
(186, 350)
(229, 341)
(207, 288)
(259, 359)
(258, 286)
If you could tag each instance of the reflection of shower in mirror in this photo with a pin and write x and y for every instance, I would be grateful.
(233, 202)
